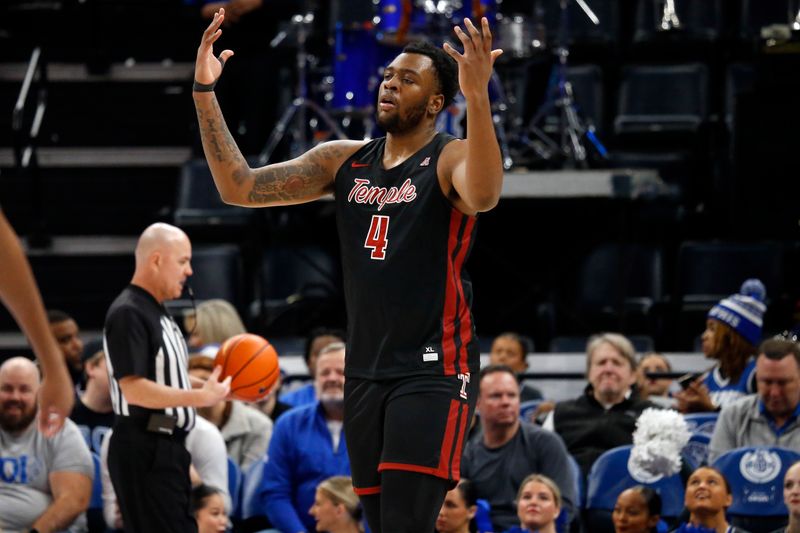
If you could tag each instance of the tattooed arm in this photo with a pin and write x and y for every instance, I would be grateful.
(299, 180)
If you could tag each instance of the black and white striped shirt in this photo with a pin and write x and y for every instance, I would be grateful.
(141, 339)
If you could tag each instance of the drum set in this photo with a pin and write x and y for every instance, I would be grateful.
(361, 51)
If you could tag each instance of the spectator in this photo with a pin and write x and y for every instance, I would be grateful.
(45, 483)
(307, 446)
(497, 460)
(208, 506)
(92, 411)
(458, 510)
(637, 510)
(655, 390)
(604, 417)
(538, 505)
(791, 497)
(708, 494)
(67, 334)
(316, 341)
(270, 405)
(336, 507)
(214, 322)
(246, 430)
(511, 349)
(769, 418)
(733, 330)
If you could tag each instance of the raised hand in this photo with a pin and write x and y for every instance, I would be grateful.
(208, 68)
(475, 64)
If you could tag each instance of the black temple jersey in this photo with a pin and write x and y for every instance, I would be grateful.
(403, 250)
(141, 339)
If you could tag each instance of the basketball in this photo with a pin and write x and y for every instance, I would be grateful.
(252, 364)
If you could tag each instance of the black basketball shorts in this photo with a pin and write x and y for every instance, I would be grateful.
(417, 424)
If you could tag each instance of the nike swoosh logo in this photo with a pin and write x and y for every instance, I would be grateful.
(354, 164)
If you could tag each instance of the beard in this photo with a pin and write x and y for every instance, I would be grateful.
(18, 422)
(395, 123)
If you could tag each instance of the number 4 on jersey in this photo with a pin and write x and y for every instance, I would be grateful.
(376, 237)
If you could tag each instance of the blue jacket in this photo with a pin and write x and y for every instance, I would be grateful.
(305, 395)
(300, 456)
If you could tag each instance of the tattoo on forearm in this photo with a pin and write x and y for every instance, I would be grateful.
(295, 180)
(218, 140)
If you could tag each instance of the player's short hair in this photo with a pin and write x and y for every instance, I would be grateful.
(55, 316)
(445, 67)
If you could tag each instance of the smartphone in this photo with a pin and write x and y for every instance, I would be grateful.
(685, 380)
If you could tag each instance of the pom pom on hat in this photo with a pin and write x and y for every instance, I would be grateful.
(743, 312)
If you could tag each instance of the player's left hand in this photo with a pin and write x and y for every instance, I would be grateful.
(475, 64)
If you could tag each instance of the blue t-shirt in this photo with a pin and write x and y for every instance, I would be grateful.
(724, 392)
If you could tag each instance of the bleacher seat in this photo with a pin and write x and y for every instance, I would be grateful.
(755, 475)
(643, 110)
(611, 474)
(580, 482)
(582, 32)
(757, 14)
(199, 204)
(217, 273)
(702, 423)
(696, 450)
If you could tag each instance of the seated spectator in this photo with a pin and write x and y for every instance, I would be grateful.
(791, 497)
(209, 466)
(318, 339)
(46, 483)
(208, 506)
(604, 417)
(68, 337)
(512, 349)
(214, 322)
(497, 460)
(637, 510)
(733, 330)
(538, 505)
(770, 417)
(92, 411)
(457, 514)
(270, 405)
(336, 507)
(654, 390)
(307, 447)
(246, 430)
(708, 494)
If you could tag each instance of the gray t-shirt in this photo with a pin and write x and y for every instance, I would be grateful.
(497, 473)
(26, 462)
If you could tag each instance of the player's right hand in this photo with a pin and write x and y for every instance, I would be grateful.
(208, 67)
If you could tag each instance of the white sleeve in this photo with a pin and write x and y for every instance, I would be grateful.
(549, 422)
(209, 456)
(110, 511)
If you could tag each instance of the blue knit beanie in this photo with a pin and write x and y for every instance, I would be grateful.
(743, 312)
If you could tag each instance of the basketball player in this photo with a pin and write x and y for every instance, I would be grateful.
(18, 291)
(406, 211)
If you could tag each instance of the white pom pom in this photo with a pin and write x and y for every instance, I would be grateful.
(658, 440)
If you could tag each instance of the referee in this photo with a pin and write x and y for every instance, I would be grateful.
(150, 389)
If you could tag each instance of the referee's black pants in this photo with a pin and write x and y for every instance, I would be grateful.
(150, 474)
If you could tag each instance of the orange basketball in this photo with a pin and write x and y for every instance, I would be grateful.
(252, 364)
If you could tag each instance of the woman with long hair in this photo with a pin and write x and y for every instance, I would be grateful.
(791, 497)
(458, 510)
(336, 508)
(213, 322)
(707, 496)
(733, 331)
(637, 510)
(538, 505)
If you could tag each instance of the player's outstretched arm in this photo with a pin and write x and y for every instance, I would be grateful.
(18, 291)
(476, 163)
(299, 180)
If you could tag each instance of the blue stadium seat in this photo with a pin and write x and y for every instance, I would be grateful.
(526, 409)
(580, 482)
(755, 475)
(96, 501)
(696, 450)
(611, 474)
(701, 422)
(234, 486)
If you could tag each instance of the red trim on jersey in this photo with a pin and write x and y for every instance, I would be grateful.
(412, 468)
(450, 293)
(465, 332)
(449, 435)
(459, 441)
(367, 491)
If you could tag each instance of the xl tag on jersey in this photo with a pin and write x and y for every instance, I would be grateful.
(430, 355)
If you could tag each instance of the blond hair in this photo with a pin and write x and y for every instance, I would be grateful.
(339, 489)
(617, 341)
(217, 321)
(544, 480)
